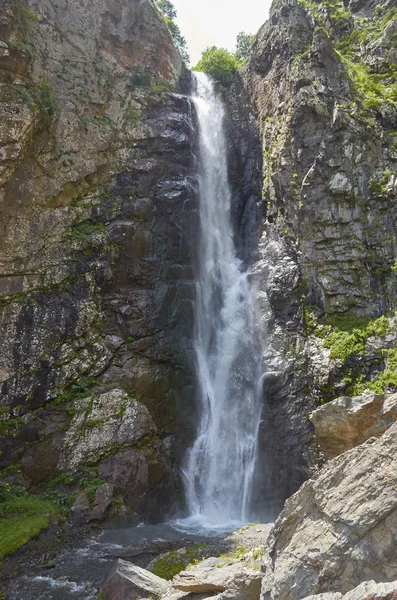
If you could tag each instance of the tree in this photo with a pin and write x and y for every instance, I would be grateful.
(169, 13)
(219, 63)
(167, 8)
(243, 46)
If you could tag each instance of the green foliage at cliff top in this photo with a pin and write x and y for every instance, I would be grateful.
(243, 46)
(222, 64)
(22, 517)
(219, 63)
(169, 13)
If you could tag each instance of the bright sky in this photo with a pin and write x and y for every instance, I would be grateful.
(217, 22)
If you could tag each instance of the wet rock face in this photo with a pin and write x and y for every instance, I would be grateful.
(97, 217)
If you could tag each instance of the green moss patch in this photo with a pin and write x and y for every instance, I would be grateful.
(22, 517)
(172, 563)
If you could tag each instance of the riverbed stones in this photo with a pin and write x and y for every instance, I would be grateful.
(348, 422)
(129, 582)
(340, 528)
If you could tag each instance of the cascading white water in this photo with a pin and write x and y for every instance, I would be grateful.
(220, 468)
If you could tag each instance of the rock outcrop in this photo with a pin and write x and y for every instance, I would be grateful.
(348, 422)
(213, 575)
(340, 528)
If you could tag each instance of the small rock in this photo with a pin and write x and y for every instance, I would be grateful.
(81, 508)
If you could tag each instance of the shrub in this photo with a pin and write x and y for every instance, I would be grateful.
(219, 63)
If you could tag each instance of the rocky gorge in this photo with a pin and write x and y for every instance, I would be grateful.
(99, 226)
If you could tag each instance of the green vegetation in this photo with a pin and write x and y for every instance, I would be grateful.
(86, 228)
(142, 79)
(346, 338)
(219, 63)
(90, 486)
(46, 98)
(173, 563)
(385, 381)
(10, 426)
(38, 97)
(222, 64)
(169, 565)
(62, 500)
(92, 424)
(22, 517)
(80, 388)
(348, 335)
(380, 188)
(243, 46)
(133, 114)
(334, 9)
(371, 87)
(26, 21)
(169, 13)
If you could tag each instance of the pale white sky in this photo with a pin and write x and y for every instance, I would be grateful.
(217, 22)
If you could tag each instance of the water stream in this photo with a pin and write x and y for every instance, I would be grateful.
(220, 468)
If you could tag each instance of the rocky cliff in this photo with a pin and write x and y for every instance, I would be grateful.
(96, 212)
(322, 86)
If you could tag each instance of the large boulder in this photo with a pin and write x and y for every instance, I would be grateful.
(129, 582)
(348, 422)
(218, 575)
(340, 528)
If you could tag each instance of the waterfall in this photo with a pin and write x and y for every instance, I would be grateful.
(221, 466)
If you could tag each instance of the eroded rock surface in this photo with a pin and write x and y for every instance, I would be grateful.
(368, 590)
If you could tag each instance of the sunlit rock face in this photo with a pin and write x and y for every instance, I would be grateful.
(96, 211)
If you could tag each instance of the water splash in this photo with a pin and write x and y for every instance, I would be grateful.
(220, 469)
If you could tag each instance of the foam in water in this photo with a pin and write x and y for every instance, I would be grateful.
(220, 468)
